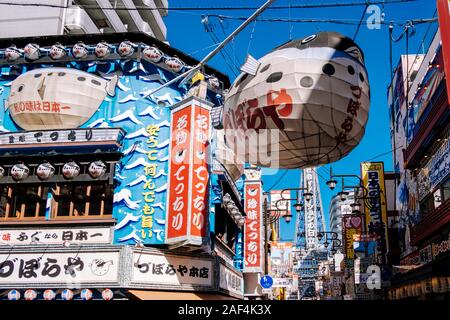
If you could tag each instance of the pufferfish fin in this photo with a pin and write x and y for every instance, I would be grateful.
(251, 65)
(111, 86)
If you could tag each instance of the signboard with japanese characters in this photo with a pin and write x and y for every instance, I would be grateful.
(73, 269)
(39, 138)
(86, 235)
(187, 214)
(375, 207)
(231, 281)
(253, 239)
(280, 208)
(352, 225)
(159, 269)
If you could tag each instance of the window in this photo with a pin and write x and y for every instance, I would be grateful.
(23, 201)
(93, 200)
(446, 190)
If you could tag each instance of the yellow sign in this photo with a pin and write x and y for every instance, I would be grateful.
(375, 206)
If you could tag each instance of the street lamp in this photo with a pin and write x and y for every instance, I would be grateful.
(308, 196)
(298, 207)
(343, 195)
(331, 184)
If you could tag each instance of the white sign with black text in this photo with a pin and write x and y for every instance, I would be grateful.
(164, 269)
(231, 281)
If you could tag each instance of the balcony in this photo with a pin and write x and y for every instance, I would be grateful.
(431, 124)
(431, 223)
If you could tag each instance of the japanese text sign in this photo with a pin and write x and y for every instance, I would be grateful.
(188, 173)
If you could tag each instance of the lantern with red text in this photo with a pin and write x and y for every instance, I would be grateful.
(304, 104)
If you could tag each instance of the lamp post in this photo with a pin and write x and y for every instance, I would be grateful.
(268, 219)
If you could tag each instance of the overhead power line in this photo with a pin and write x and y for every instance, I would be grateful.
(304, 6)
(352, 22)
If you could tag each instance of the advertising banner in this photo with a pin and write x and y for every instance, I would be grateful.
(375, 207)
(443, 7)
(39, 269)
(254, 234)
(188, 173)
(352, 225)
(283, 207)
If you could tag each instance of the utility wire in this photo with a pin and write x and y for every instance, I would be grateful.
(146, 8)
(359, 25)
(279, 179)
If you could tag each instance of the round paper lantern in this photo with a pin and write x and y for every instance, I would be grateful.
(19, 171)
(70, 170)
(126, 48)
(57, 51)
(174, 64)
(107, 294)
(49, 294)
(80, 50)
(86, 294)
(45, 171)
(102, 49)
(153, 54)
(67, 294)
(13, 295)
(32, 51)
(214, 82)
(97, 169)
(30, 294)
(12, 53)
(313, 96)
(2, 172)
(74, 95)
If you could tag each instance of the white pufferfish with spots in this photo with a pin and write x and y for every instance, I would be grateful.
(314, 92)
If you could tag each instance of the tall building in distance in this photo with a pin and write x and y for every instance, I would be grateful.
(61, 17)
(338, 208)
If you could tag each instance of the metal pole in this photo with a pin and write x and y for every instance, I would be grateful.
(217, 49)
(266, 241)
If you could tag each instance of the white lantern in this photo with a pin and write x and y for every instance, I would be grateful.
(57, 51)
(32, 51)
(153, 54)
(86, 294)
(102, 49)
(80, 50)
(30, 294)
(174, 64)
(2, 172)
(49, 294)
(214, 82)
(75, 96)
(313, 96)
(45, 171)
(13, 295)
(107, 294)
(126, 48)
(67, 294)
(70, 170)
(97, 169)
(12, 53)
(19, 171)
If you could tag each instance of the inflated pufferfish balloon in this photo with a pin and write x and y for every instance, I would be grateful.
(313, 94)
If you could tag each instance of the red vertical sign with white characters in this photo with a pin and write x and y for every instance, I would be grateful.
(187, 203)
(443, 7)
(200, 174)
(253, 232)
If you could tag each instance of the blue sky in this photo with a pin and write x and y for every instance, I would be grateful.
(187, 33)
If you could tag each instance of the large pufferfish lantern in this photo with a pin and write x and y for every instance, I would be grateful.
(314, 92)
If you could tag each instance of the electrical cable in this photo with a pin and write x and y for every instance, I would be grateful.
(359, 25)
(156, 8)
(279, 179)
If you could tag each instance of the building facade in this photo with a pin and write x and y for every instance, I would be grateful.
(109, 191)
(420, 123)
(60, 17)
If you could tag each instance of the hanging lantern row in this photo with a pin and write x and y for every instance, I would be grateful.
(32, 52)
(66, 294)
(233, 210)
(45, 170)
(431, 285)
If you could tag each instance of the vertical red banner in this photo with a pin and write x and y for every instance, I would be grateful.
(200, 174)
(253, 240)
(187, 203)
(443, 7)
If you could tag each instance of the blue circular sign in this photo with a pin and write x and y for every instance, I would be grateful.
(266, 282)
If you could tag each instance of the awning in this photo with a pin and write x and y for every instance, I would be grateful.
(176, 295)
